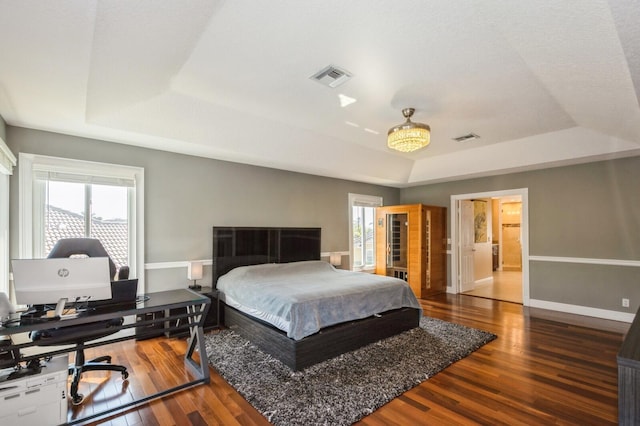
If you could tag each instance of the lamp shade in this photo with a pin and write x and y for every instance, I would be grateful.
(409, 136)
(335, 259)
(194, 270)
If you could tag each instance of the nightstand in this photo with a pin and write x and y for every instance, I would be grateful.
(213, 317)
(211, 321)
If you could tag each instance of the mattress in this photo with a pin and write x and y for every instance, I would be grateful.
(300, 298)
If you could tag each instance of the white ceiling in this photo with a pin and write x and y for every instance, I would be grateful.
(542, 83)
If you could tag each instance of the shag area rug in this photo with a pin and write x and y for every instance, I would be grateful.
(344, 389)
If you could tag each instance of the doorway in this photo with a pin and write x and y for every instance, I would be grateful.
(489, 245)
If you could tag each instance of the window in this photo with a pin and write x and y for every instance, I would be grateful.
(362, 215)
(62, 198)
(73, 210)
(7, 161)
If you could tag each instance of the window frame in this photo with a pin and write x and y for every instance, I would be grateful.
(29, 242)
(361, 200)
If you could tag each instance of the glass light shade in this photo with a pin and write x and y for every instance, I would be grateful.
(409, 136)
(409, 139)
(194, 271)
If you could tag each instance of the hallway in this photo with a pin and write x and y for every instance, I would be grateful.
(506, 286)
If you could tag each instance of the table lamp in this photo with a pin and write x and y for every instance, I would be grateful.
(335, 259)
(194, 272)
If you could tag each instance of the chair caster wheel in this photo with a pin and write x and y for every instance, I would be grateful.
(77, 400)
(125, 375)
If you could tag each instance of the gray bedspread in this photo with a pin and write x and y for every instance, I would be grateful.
(300, 298)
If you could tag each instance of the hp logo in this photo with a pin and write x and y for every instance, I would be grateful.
(63, 272)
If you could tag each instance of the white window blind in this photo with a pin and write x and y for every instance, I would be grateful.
(83, 178)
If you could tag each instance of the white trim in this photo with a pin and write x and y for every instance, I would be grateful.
(75, 167)
(176, 264)
(487, 280)
(7, 159)
(365, 201)
(7, 162)
(208, 262)
(582, 310)
(4, 233)
(329, 253)
(453, 212)
(585, 260)
(25, 206)
(136, 221)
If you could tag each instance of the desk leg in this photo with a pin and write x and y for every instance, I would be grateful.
(200, 370)
(196, 338)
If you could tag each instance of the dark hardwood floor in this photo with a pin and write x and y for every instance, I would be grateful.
(538, 371)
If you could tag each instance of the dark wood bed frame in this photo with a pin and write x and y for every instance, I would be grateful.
(290, 245)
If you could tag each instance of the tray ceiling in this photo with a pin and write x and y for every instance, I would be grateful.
(541, 85)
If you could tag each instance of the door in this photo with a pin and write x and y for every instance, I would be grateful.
(467, 241)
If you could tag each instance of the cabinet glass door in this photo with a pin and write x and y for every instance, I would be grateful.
(397, 244)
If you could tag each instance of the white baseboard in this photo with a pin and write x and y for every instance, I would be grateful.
(487, 280)
(583, 310)
(575, 309)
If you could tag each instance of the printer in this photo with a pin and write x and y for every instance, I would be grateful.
(38, 399)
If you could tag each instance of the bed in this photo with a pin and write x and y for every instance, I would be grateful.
(302, 329)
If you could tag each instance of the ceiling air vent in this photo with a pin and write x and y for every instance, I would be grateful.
(467, 137)
(331, 76)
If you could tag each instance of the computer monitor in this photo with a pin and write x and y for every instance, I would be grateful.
(58, 280)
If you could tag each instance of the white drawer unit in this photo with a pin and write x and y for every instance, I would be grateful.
(40, 399)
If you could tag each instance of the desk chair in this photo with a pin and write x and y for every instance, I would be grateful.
(81, 334)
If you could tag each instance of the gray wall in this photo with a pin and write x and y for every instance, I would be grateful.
(3, 129)
(586, 211)
(582, 211)
(185, 196)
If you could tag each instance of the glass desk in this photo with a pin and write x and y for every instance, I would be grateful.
(192, 308)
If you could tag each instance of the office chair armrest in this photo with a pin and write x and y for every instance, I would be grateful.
(123, 273)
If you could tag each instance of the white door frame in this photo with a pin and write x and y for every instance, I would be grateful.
(455, 243)
(466, 248)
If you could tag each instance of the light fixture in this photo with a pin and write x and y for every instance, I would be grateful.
(408, 136)
(335, 259)
(194, 272)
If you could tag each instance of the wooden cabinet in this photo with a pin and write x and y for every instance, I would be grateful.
(411, 245)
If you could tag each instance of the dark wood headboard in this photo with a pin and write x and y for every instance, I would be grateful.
(241, 246)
